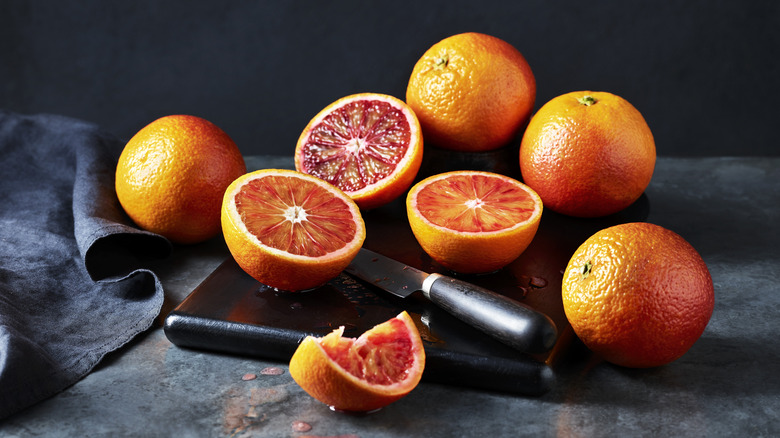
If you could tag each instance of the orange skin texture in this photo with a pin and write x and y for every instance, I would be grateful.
(470, 252)
(172, 174)
(646, 300)
(588, 161)
(282, 270)
(472, 92)
(327, 381)
(390, 187)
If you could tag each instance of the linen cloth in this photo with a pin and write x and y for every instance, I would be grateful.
(74, 283)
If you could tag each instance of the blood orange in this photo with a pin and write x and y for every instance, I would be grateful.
(472, 92)
(588, 154)
(638, 294)
(471, 221)
(172, 174)
(369, 145)
(290, 230)
(381, 366)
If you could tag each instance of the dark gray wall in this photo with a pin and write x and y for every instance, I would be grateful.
(704, 73)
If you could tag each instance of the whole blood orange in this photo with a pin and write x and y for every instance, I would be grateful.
(472, 92)
(472, 221)
(290, 230)
(172, 174)
(364, 374)
(369, 145)
(637, 294)
(587, 154)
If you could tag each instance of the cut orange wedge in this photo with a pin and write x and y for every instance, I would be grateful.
(290, 230)
(364, 374)
(471, 221)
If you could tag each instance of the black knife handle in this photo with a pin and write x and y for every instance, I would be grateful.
(507, 320)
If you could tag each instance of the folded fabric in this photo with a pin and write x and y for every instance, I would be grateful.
(73, 282)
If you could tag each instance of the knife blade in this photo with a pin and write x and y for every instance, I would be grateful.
(501, 317)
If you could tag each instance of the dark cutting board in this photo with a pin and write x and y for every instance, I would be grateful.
(231, 312)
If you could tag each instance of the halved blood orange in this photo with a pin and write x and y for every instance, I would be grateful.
(290, 230)
(369, 145)
(472, 221)
(381, 366)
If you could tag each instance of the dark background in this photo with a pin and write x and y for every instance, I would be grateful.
(703, 73)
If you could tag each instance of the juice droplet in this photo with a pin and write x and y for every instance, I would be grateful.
(271, 371)
(300, 426)
(523, 290)
(249, 376)
(538, 282)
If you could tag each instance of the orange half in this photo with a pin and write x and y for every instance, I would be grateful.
(471, 221)
(369, 145)
(290, 230)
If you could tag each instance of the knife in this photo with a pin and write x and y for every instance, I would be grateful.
(503, 318)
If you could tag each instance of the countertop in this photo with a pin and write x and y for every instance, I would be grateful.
(726, 385)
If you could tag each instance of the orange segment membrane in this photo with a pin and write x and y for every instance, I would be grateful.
(295, 216)
(474, 203)
(358, 144)
(380, 357)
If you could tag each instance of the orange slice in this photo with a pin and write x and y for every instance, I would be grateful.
(473, 222)
(290, 230)
(381, 366)
(369, 145)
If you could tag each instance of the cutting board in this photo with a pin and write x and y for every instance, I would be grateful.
(233, 313)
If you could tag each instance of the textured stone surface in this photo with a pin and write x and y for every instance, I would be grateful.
(726, 385)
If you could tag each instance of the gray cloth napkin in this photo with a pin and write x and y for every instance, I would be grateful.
(73, 286)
